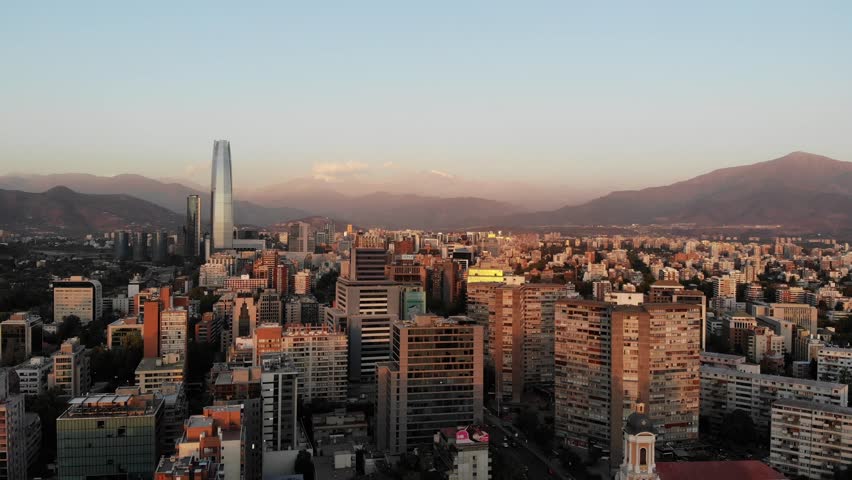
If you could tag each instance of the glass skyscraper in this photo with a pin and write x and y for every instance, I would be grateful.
(221, 201)
(192, 238)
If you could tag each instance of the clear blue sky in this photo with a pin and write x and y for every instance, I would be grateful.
(632, 93)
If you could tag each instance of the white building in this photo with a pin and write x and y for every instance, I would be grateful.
(832, 362)
(34, 375)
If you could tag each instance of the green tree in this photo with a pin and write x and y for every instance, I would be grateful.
(738, 428)
(304, 465)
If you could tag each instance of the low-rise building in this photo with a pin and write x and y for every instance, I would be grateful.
(153, 373)
(462, 453)
(34, 375)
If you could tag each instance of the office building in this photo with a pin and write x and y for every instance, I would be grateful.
(246, 284)
(20, 338)
(160, 247)
(140, 246)
(108, 436)
(279, 393)
(520, 335)
(299, 236)
(121, 245)
(209, 329)
(34, 375)
(810, 440)
(724, 390)
(609, 358)
(13, 434)
(121, 331)
(70, 368)
(432, 358)
(153, 373)
(269, 307)
(243, 317)
(192, 229)
(221, 197)
(77, 296)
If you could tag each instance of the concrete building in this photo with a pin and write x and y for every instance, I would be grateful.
(108, 435)
(192, 229)
(762, 342)
(153, 373)
(520, 335)
(321, 358)
(609, 358)
(810, 440)
(70, 368)
(269, 307)
(738, 325)
(20, 338)
(461, 453)
(302, 282)
(243, 317)
(431, 358)
(77, 296)
(217, 435)
(174, 337)
(834, 364)
(213, 275)
(186, 468)
(119, 331)
(280, 394)
(339, 427)
(34, 375)
(13, 435)
(724, 390)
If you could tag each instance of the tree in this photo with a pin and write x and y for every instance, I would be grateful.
(70, 327)
(738, 428)
(304, 465)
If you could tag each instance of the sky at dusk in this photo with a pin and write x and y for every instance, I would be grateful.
(627, 94)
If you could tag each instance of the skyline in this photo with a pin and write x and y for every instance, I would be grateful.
(649, 96)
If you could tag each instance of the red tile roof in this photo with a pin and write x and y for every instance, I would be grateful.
(731, 470)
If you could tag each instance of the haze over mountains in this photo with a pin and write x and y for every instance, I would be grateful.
(800, 190)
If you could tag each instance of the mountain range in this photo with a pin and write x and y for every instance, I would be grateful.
(61, 209)
(800, 190)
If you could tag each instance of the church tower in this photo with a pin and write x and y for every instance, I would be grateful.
(639, 440)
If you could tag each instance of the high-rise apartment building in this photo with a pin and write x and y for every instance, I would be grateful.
(520, 335)
(321, 357)
(810, 440)
(434, 380)
(192, 229)
(140, 246)
(610, 358)
(174, 336)
(108, 436)
(834, 363)
(13, 440)
(20, 338)
(70, 368)
(724, 390)
(221, 197)
(77, 296)
(302, 282)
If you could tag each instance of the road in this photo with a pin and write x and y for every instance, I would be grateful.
(521, 454)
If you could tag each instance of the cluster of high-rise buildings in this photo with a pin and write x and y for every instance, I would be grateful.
(409, 338)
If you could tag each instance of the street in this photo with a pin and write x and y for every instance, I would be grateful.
(518, 455)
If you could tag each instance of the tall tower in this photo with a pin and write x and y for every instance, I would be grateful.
(192, 240)
(221, 196)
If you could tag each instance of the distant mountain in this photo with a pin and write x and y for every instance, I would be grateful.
(800, 190)
(169, 195)
(385, 209)
(61, 209)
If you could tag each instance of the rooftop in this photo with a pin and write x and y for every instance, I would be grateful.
(741, 469)
(805, 405)
(112, 405)
(705, 369)
(156, 364)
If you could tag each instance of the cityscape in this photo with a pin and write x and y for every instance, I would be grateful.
(230, 310)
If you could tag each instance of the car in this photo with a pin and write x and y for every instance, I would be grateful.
(505, 444)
